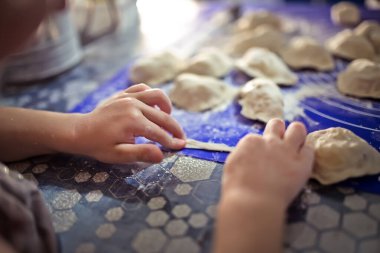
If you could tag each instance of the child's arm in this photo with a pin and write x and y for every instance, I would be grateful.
(261, 178)
(107, 133)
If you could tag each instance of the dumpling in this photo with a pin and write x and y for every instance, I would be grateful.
(340, 154)
(264, 36)
(157, 69)
(261, 99)
(345, 13)
(260, 62)
(251, 20)
(347, 45)
(370, 29)
(360, 79)
(198, 93)
(210, 62)
(305, 52)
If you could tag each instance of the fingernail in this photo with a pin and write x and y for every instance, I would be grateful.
(179, 142)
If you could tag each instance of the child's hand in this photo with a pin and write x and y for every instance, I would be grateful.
(108, 133)
(274, 167)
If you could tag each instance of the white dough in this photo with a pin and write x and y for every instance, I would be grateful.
(345, 13)
(360, 79)
(305, 52)
(260, 62)
(157, 69)
(370, 29)
(198, 93)
(347, 45)
(194, 144)
(210, 62)
(261, 99)
(340, 154)
(251, 20)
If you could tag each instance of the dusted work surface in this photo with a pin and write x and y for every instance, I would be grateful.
(170, 207)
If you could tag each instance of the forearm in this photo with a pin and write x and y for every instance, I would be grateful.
(248, 224)
(25, 133)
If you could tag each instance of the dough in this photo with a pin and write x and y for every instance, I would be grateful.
(157, 69)
(198, 93)
(264, 36)
(340, 154)
(251, 20)
(360, 79)
(210, 62)
(305, 52)
(260, 62)
(194, 144)
(347, 45)
(261, 99)
(370, 29)
(345, 13)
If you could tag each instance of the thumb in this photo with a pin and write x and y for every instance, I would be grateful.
(126, 153)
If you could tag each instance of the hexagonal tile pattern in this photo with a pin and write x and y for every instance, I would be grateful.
(374, 210)
(181, 211)
(157, 218)
(183, 245)
(82, 177)
(212, 210)
(66, 199)
(183, 189)
(131, 203)
(312, 198)
(355, 202)
(63, 220)
(322, 217)
(94, 196)
(336, 241)
(156, 203)
(152, 190)
(300, 235)
(85, 248)
(188, 169)
(100, 177)
(359, 224)
(198, 220)
(123, 188)
(370, 246)
(176, 228)
(149, 241)
(40, 168)
(114, 214)
(105, 231)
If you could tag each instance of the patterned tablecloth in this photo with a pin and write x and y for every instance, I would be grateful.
(170, 207)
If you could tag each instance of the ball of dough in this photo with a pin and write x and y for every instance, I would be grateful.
(261, 99)
(340, 154)
(210, 62)
(251, 20)
(305, 52)
(370, 29)
(345, 13)
(347, 45)
(198, 93)
(260, 62)
(360, 79)
(157, 69)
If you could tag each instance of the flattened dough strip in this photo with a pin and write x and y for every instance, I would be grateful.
(194, 144)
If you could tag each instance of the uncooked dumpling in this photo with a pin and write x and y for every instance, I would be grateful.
(264, 36)
(198, 93)
(340, 154)
(261, 99)
(347, 45)
(345, 13)
(305, 52)
(370, 29)
(360, 79)
(157, 69)
(260, 62)
(210, 62)
(251, 20)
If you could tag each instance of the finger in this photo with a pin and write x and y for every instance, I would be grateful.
(155, 97)
(137, 88)
(275, 127)
(163, 120)
(295, 135)
(155, 133)
(127, 153)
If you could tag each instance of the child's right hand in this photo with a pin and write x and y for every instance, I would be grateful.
(274, 166)
(108, 133)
